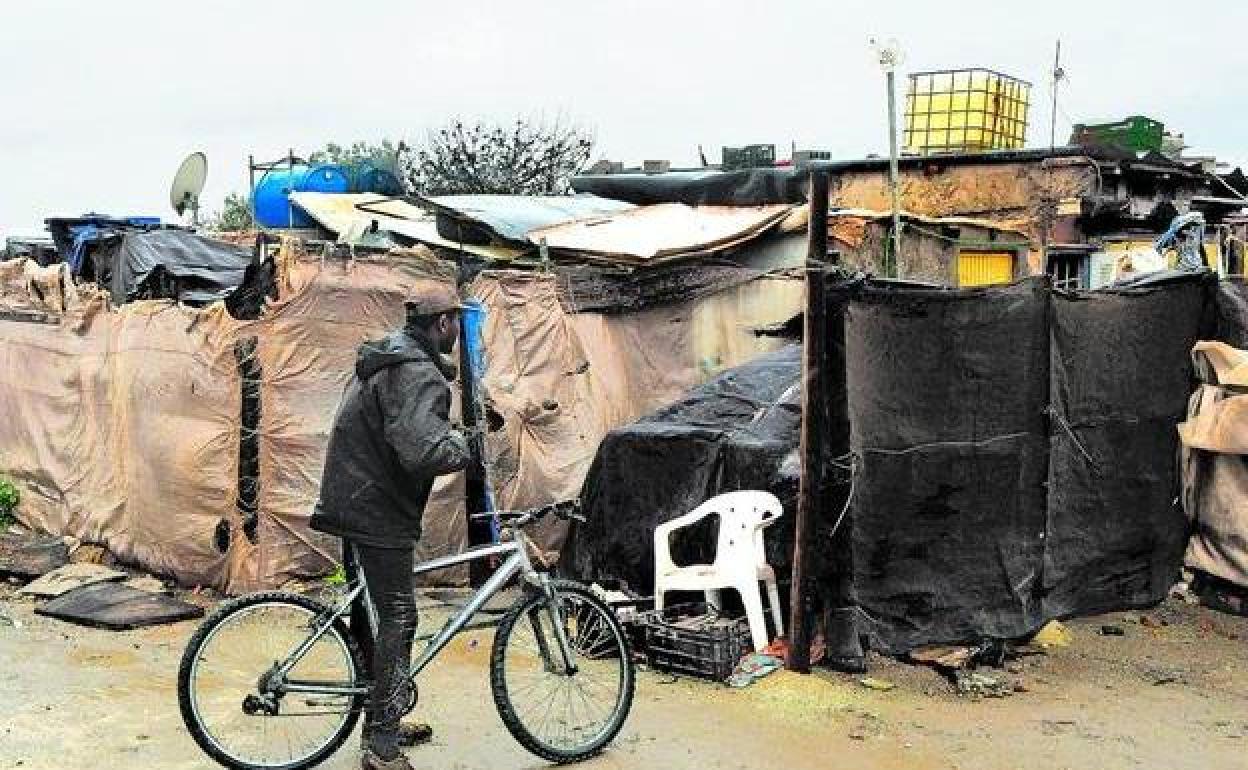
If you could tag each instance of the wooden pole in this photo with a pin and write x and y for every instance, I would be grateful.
(814, 345)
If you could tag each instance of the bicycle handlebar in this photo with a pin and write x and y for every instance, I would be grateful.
(567, 510)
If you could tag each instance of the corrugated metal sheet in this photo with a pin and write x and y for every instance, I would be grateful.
(662, 232)
(513, 216)
(349, 212)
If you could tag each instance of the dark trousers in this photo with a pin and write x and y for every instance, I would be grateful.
(388, 572)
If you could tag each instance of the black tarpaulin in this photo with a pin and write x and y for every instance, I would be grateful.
(1231, 312)
(171, 264)
(1014, 453)
(947, 390)
(735, 432)
(750, 187)
(1121, 378)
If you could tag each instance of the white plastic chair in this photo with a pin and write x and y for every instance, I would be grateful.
(740, 561)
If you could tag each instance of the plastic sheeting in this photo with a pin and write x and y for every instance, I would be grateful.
(27, 287)
(177, 264)
(1214, 466)
(1121, 376)
(1014, 459)
(123, 426)
(977, 517)
(734, 432)
(946, 395)
(1231, 312)
(752, 187)
(131, 426)
(562, 380)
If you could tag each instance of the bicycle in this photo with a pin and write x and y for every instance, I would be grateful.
(561, 671)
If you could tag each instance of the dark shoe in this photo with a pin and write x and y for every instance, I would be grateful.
(410, 734)
(373, 762)
(414, 734)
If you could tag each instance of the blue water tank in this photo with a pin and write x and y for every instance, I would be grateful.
(273, 208)
(370, 179)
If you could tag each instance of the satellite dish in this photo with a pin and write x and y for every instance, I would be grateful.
(188, 183)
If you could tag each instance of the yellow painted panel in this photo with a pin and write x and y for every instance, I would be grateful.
(984, 268)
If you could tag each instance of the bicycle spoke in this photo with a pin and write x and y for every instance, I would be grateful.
(228, 666)
(570, 713)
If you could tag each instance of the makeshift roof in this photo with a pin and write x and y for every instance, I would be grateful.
(350, 212)
(662, 232)
(512, 216)
(171, 263)
(788, 185)
(624, 235)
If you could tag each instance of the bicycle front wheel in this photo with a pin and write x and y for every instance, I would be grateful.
(559, 715)
(245, 724)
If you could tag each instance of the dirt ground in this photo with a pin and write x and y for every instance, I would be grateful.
(1167, 696)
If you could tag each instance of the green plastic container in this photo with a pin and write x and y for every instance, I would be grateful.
(1137, 133)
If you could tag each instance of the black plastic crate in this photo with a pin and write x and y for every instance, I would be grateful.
(694, 640)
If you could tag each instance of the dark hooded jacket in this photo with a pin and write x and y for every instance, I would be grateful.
(391, 438)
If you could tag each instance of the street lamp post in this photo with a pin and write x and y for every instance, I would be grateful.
(890, 57)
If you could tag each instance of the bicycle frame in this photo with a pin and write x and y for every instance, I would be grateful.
(516, 563)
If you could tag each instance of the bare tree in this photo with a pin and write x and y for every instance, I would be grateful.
(521, 158)
(382, 155)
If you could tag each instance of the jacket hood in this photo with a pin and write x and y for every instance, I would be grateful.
(399, 348)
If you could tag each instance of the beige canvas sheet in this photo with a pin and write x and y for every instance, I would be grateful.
(1215, 471)
(121, 426)
(562, 380)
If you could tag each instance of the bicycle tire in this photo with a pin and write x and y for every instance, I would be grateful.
(222, 615)
(498, 681)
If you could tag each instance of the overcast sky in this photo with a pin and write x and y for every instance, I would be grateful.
(100, 101)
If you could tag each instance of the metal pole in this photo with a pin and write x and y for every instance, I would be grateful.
(1057, 75)
(890, 267)
(290, 180)
(251, 188)
(814, 345)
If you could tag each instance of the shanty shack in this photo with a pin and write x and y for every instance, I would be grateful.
(189, 439)
(1079, 209)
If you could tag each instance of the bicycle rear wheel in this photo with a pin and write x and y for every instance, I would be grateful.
(220, 684)
(558, 716)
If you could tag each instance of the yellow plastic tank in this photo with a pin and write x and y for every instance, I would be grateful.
(969, 110)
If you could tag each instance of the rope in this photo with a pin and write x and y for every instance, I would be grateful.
(849, 498)
(919, 447)
(1053, 413)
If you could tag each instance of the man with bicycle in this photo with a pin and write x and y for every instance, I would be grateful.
(391, 438)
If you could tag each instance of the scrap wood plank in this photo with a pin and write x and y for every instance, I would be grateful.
(62, 580)
(29, 556)
(118, 607)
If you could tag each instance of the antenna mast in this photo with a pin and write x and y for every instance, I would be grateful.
(1059, 75)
